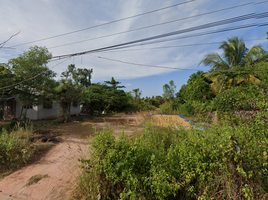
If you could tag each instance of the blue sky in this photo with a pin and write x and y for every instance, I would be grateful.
(46, 18)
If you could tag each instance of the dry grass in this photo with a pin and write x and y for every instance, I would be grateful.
(166, 121)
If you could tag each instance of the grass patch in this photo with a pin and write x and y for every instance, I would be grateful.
(34, 179)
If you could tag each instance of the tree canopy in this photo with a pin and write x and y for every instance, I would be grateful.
(32, 65)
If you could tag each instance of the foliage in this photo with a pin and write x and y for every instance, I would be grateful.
(78, 76)
(15, 148)
(235, 55)
(30, 65)
(222, 162)
(197, 88)
(103, 97)
(169, 90)
(69, 91)
(6, 78)
(238, 98)
(137, 94)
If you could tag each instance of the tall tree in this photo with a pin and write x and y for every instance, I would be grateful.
(235, 54)
(69, 91)
(32, 65)
(114, 84)
(169, 90)
(197, 88)
(78, 76)
(137, 94)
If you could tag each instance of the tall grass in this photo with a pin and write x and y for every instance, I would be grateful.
(222, 162)
(18, 148)
(15, 148)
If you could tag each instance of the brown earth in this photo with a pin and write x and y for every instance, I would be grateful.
(60, 164)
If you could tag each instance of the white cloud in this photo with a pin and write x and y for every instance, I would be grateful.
(128, 84)
(41, 19)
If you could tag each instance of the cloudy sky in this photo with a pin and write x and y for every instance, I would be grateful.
(59, 25)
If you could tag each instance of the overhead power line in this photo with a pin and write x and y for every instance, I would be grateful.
(15, 84)
(154, 25)
(195, 28)
(177, 46)
(165, 67)
(99, 25)
(127, 44)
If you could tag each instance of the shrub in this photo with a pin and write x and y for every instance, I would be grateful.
(236, 98)
(222, 162)
(15, 149)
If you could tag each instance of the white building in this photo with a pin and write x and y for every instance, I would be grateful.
(11, 108)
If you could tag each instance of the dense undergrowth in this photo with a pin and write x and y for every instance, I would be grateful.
(222, 162)
(17, 147)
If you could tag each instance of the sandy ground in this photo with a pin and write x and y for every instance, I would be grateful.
(61, 162)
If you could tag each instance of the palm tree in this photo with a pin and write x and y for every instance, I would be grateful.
(235, 55)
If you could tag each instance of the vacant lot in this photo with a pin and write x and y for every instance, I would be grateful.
(54, 175)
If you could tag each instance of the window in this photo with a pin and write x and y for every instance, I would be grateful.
(47, 104)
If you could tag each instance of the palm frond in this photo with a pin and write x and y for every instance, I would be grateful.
(254, 53)
(215, 62)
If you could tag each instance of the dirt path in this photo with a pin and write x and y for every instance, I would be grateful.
(60, 164)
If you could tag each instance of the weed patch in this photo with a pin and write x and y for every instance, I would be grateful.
(222, 162)
(34, 179)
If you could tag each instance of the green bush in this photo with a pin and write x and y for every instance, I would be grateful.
(15, 149)
(222, 162)
(236, 98)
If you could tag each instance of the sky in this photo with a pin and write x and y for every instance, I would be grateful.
(41, 19)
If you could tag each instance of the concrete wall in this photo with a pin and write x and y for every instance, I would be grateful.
(44, 113)
(39, 112)
(31, 112)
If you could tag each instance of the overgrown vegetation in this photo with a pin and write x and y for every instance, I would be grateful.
(16, 149)
(223, 162)
(227, 160)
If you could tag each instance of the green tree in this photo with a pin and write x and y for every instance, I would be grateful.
(137, 94)
(32, 65)
(169, 90)
(197, 88)
(6, 78)
(235, 54)
(114, 85)
(93, 97)
(78, 76)
(69, 91)
(107, 96)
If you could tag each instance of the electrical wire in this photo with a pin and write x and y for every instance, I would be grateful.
(124, 45)
(154, 25)
(9, 86)
(204, 26)
(165, 67)
(138, 15)
(176, 46)
(130, 44)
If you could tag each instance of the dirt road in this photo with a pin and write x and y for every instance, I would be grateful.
(60, 164)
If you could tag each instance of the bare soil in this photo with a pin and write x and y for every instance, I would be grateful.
(60, 164)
